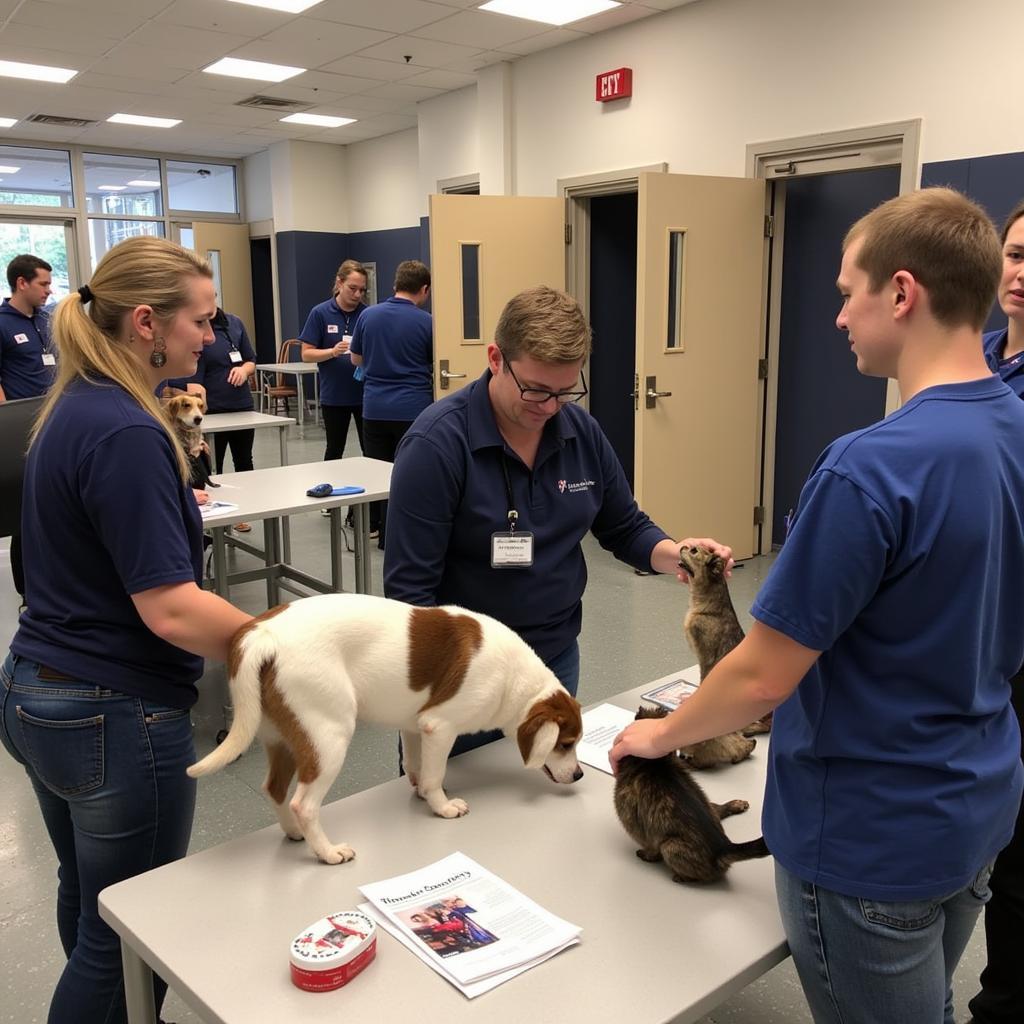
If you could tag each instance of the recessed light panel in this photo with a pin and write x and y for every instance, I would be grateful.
(139, 183)
(146, 122)
(257, 69)
(288, 6)
(8, 122)
(9, 170)
(320, 120)
(35, 72)
(111, 188)
(551, 12)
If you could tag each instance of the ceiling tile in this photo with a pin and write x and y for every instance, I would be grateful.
(187, 47)
(240, 19)
(94, 44)
(309, 43)
(387, 15)
(366, 67)
(401, 91)
(424, 53)
(120, 83)
(616, 16)
(545, 40)
(72, 17)
(481, 29)
(469, 65)
(445, 80)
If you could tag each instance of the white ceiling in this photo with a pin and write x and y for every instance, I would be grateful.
(145, 56)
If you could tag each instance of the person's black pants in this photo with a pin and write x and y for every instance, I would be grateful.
(336, 422)
(240, 443)
(382, 439)
(17, 568)
(1001, 999)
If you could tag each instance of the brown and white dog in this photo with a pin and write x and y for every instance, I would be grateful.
(302, 673)
(186, 413)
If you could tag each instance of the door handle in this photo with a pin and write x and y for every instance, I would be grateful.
(446, 375)
(652, 394)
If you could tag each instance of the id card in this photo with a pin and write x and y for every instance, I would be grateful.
(235, 356)
(49, 359)
(511, 550)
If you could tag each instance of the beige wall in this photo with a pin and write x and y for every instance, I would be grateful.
(382, 189)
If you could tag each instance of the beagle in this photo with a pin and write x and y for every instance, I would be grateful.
(302, 673)
(186, 412)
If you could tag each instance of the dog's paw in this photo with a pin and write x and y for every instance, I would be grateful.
(735, 807)
(294, 834)
(340, 854)
(455, 808)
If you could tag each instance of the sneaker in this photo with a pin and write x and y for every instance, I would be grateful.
(242, 527)
(326, 513)
(374, 534)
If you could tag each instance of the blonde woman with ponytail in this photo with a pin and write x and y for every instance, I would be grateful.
(103, 669)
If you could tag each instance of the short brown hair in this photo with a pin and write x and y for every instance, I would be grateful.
(545, 324)
(349, 267)
(946, 241)
(1015, 215)
(411, 276)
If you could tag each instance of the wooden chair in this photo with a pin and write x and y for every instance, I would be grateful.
(280, 391)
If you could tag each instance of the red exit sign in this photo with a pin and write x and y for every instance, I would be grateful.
(614, 85)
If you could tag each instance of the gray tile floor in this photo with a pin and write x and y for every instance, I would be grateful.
(631, 634)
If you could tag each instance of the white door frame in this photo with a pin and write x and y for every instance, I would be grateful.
(894, 144)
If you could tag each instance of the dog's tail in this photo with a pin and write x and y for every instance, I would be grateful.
(735, 852)
(257, 649)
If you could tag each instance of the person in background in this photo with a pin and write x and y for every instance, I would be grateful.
(326, 339)
(224, 371)
(886, 634)
(102, 672)
(394, 344)
(27, 358)
(495, 487)
(1001, 999)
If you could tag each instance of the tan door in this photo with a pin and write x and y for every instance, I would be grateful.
(484, 250)
(701, 254)
(226, 246)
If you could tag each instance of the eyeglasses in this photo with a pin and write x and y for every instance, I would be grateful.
(540, 395)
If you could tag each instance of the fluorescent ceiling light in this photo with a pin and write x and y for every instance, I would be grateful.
(35, 72)
(147, 122)
(9, 170)
(111, 188)
(288, 6)
(258, 69)
(139, 183)
(321, 120)
(8, 122)
(551, 12)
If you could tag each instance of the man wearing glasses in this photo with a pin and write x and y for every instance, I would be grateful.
(495, 487)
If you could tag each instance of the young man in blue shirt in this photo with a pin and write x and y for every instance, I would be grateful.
(394, 344)
(27, 358)
(495, 487)
(887, 630)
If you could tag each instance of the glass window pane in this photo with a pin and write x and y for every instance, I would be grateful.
(124, 185)
(187, 237)
(676, 280)
(35, 177)
(105, 234)
(207, 187)
(470, 291)
(47, 241)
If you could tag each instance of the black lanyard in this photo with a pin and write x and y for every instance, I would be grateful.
(513, 515)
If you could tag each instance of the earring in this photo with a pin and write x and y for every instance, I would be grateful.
(158, 357)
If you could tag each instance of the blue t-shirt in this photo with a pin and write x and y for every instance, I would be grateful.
(1011, 370)
(24, 342)
(895, 770)
(448, 497)
(325, 326)
(230, 342)
(105, 515)
(396, 340)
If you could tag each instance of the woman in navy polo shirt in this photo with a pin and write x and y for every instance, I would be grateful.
(1002, 982)
(103, 669)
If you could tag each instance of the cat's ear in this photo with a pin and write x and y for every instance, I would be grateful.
(716, 567)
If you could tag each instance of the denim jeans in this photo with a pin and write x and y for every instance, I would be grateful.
(868, 962)
(108, 771)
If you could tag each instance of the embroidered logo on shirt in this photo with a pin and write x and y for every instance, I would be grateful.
(20, 339)
(332, 328)
(575, 487)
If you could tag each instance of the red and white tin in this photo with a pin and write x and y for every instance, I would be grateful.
(331, 952)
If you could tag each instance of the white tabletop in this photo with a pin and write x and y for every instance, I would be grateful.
(217, 925)
(296, 367)
(281, 490)
(218, 422)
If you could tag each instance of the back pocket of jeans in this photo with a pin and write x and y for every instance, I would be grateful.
(67, 756)
(908, 916)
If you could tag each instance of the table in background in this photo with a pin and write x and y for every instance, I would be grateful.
(221, 422)
(299, 370)
(217, 925)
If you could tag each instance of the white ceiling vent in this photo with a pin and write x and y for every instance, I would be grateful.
(60, 122)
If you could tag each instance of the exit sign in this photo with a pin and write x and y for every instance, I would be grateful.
(614, 85)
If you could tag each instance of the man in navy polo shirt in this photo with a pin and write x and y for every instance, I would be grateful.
(888, 630)
(394, 344)
(27, 359)
(495, 487)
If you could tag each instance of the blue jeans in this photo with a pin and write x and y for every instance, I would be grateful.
(108, 771)
(868, 962)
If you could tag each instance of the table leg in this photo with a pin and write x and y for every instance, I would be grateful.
(283, 442)
(261, 387)
(271, 557)
(336, 548)
(287, 526)
(220, 561)
(302, 404)
(316, 398)
(361, 533)
(138, 987)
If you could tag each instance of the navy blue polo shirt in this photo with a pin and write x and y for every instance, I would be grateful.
(24, 341)
(325, 326)
(216, 362)
(1011, 370)
(396, 340)
(894, 768)
(106, 515)
(448, 497)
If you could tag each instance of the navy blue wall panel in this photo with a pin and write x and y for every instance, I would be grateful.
(306, 264)
(997, 182)
(387, 249)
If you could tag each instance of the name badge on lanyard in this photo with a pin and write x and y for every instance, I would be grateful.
(509, 549)
(49, 359)
(235, 356)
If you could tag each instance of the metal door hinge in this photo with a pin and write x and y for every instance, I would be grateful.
(759, 515)
(762, 369)
(568, 234)
(769, 226)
